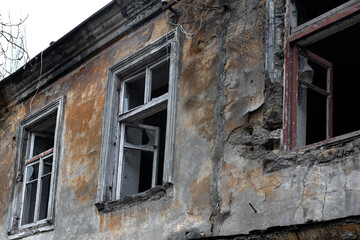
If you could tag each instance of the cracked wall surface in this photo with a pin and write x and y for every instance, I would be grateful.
(231, 177)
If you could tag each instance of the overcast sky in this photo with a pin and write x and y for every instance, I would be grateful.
(48, 20)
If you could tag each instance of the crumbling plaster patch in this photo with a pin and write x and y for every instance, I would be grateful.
(310, 190)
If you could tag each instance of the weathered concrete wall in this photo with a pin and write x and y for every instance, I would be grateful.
(231, 176)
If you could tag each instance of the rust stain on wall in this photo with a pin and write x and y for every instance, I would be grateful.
(200, 190)
(130, 43)
(84, 129)
(236, 178)
(159, 28)
(198, 85)
(110, 222)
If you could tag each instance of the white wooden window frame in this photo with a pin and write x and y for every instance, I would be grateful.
(16, 229)
(168, 46)
(32, 141)
(39, 160)
(124, 144)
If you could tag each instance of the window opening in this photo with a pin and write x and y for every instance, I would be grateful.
(343, 49)
(142, 141)
(38, 171)
(134, 89)
(325, 80)
(314, 106)
(139, 121)
(140, 158)
(160, 79)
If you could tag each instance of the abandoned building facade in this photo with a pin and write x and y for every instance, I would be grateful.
(211, 119)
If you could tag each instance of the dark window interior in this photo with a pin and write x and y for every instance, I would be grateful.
(160, 80)
(45, 187)
(316, 105)
(342, 50)
(134, 93)
(44, 136)
(309, 9)
(159, 120)
(29, 204)
(138, 170)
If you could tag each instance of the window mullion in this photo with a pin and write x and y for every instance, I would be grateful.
(314, 88)
(38, 191)
(329, 105)
(155, 160)
(147, 95)
(120, 164)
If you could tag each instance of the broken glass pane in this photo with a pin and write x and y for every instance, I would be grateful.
(134, 93)
(29, 202)
(160, 80)
(41, 144)
(140, 136)
(137, 174)
(32, 172)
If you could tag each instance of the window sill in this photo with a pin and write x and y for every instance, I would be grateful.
(31, 229)
(153, 194)
(330, 142)
(331, 150)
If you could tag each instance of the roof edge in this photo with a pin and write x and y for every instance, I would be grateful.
(97, 32)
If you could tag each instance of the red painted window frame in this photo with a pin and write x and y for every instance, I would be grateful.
(291, 80)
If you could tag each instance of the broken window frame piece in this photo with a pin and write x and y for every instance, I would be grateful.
(124, 145)
(165, 49)
(298, 38)
(28, 130)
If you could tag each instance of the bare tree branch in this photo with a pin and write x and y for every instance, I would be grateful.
(13, 51)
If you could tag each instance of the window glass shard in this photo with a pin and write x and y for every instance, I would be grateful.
(32, 172)
(140, 136)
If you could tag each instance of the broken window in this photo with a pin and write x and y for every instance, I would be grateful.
(139, 132)
(142, 138)
(33, 202)
(323, 79)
